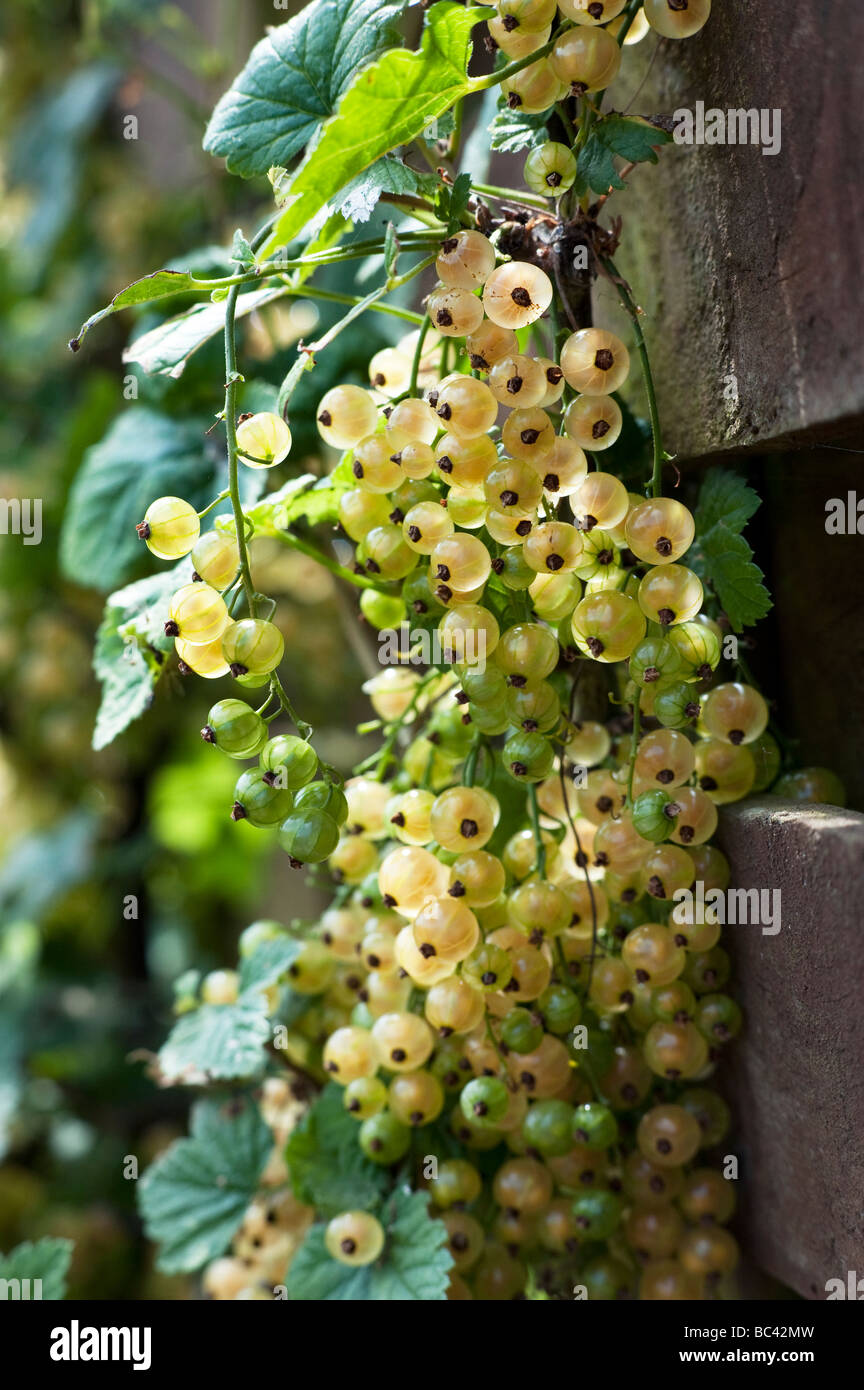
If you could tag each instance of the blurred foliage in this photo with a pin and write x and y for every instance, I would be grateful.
(118, 869)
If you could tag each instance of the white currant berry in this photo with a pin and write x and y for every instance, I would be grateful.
(263, 440)
(465, 260)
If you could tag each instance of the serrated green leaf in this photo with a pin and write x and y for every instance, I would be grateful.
(725, 560)
(726, 497)
(630, 137)
(130, 646)
(143, 455)
(388, 104)
(328, 1168)
(217, 1042)
(192, 1199)
(166, 349)
(160, 284)
(359, 199)
(458, 202)
(268, 963)
(241, 251)
(293, 80)
(413, 1267)
(46, 1260)
(513, 130)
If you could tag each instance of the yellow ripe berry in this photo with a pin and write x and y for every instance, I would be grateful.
(465, 260)
(263, 440)
(205, 660)
(534, 89)
(594, 422)
(587, 59)
(594, 361)
(170, 528)
(346, 414)
(490, 344)
(591, 11)
(516, 294)
(198, 614)
(354, 1238)
(216, 558)
(659, 530)
(454, 312)
(677, 19)
(390, 371)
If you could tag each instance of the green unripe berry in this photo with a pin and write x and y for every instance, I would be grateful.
(596, 1214)
(258, 802)
(384, 1139)
(529, 757)
(484, 1101)
(253, 646)
(561, 1009)
(308, 837)
(292, 761)
(547, 1128)
(235, 728)
(382, 611)
(521, 1031)
(324, 796)
(550, 169)
(655, 815)
(595, 1126)
(676, 706)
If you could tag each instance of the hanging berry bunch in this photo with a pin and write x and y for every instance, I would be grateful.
(512, 1004)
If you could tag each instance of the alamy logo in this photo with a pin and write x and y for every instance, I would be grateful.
(77, 1343)
(844, 516)
(734, 907)
(21, 516)
(849, 1288)
(20, 1289)
(416, 647)
(732, 127)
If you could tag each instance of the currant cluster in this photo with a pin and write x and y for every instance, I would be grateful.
(581, 60)
(280, 791)
(537, 999)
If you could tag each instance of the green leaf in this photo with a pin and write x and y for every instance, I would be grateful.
(130, 649)
(217, 1042)
(241, 251)
(724, 559)
(293, 80)
(143, 455)
(268, 963)
(726, 497)
(192, 1199)
(388, 104)
(514, 130)
(307, 498)
(46, 1260)
(45, 864)
(357, 202)
(166, 349)
(452, 201)
(328, 1168)
(630, 137)
(414, 1265)
(160, 284)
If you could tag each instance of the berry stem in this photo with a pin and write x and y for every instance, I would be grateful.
(510, 195)
(418, 353)
(627, 300)
(494, 79)
(629, 16)
(538, 837)
(360, 581)
(637, 729)
(231, 379)
(215, 503)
